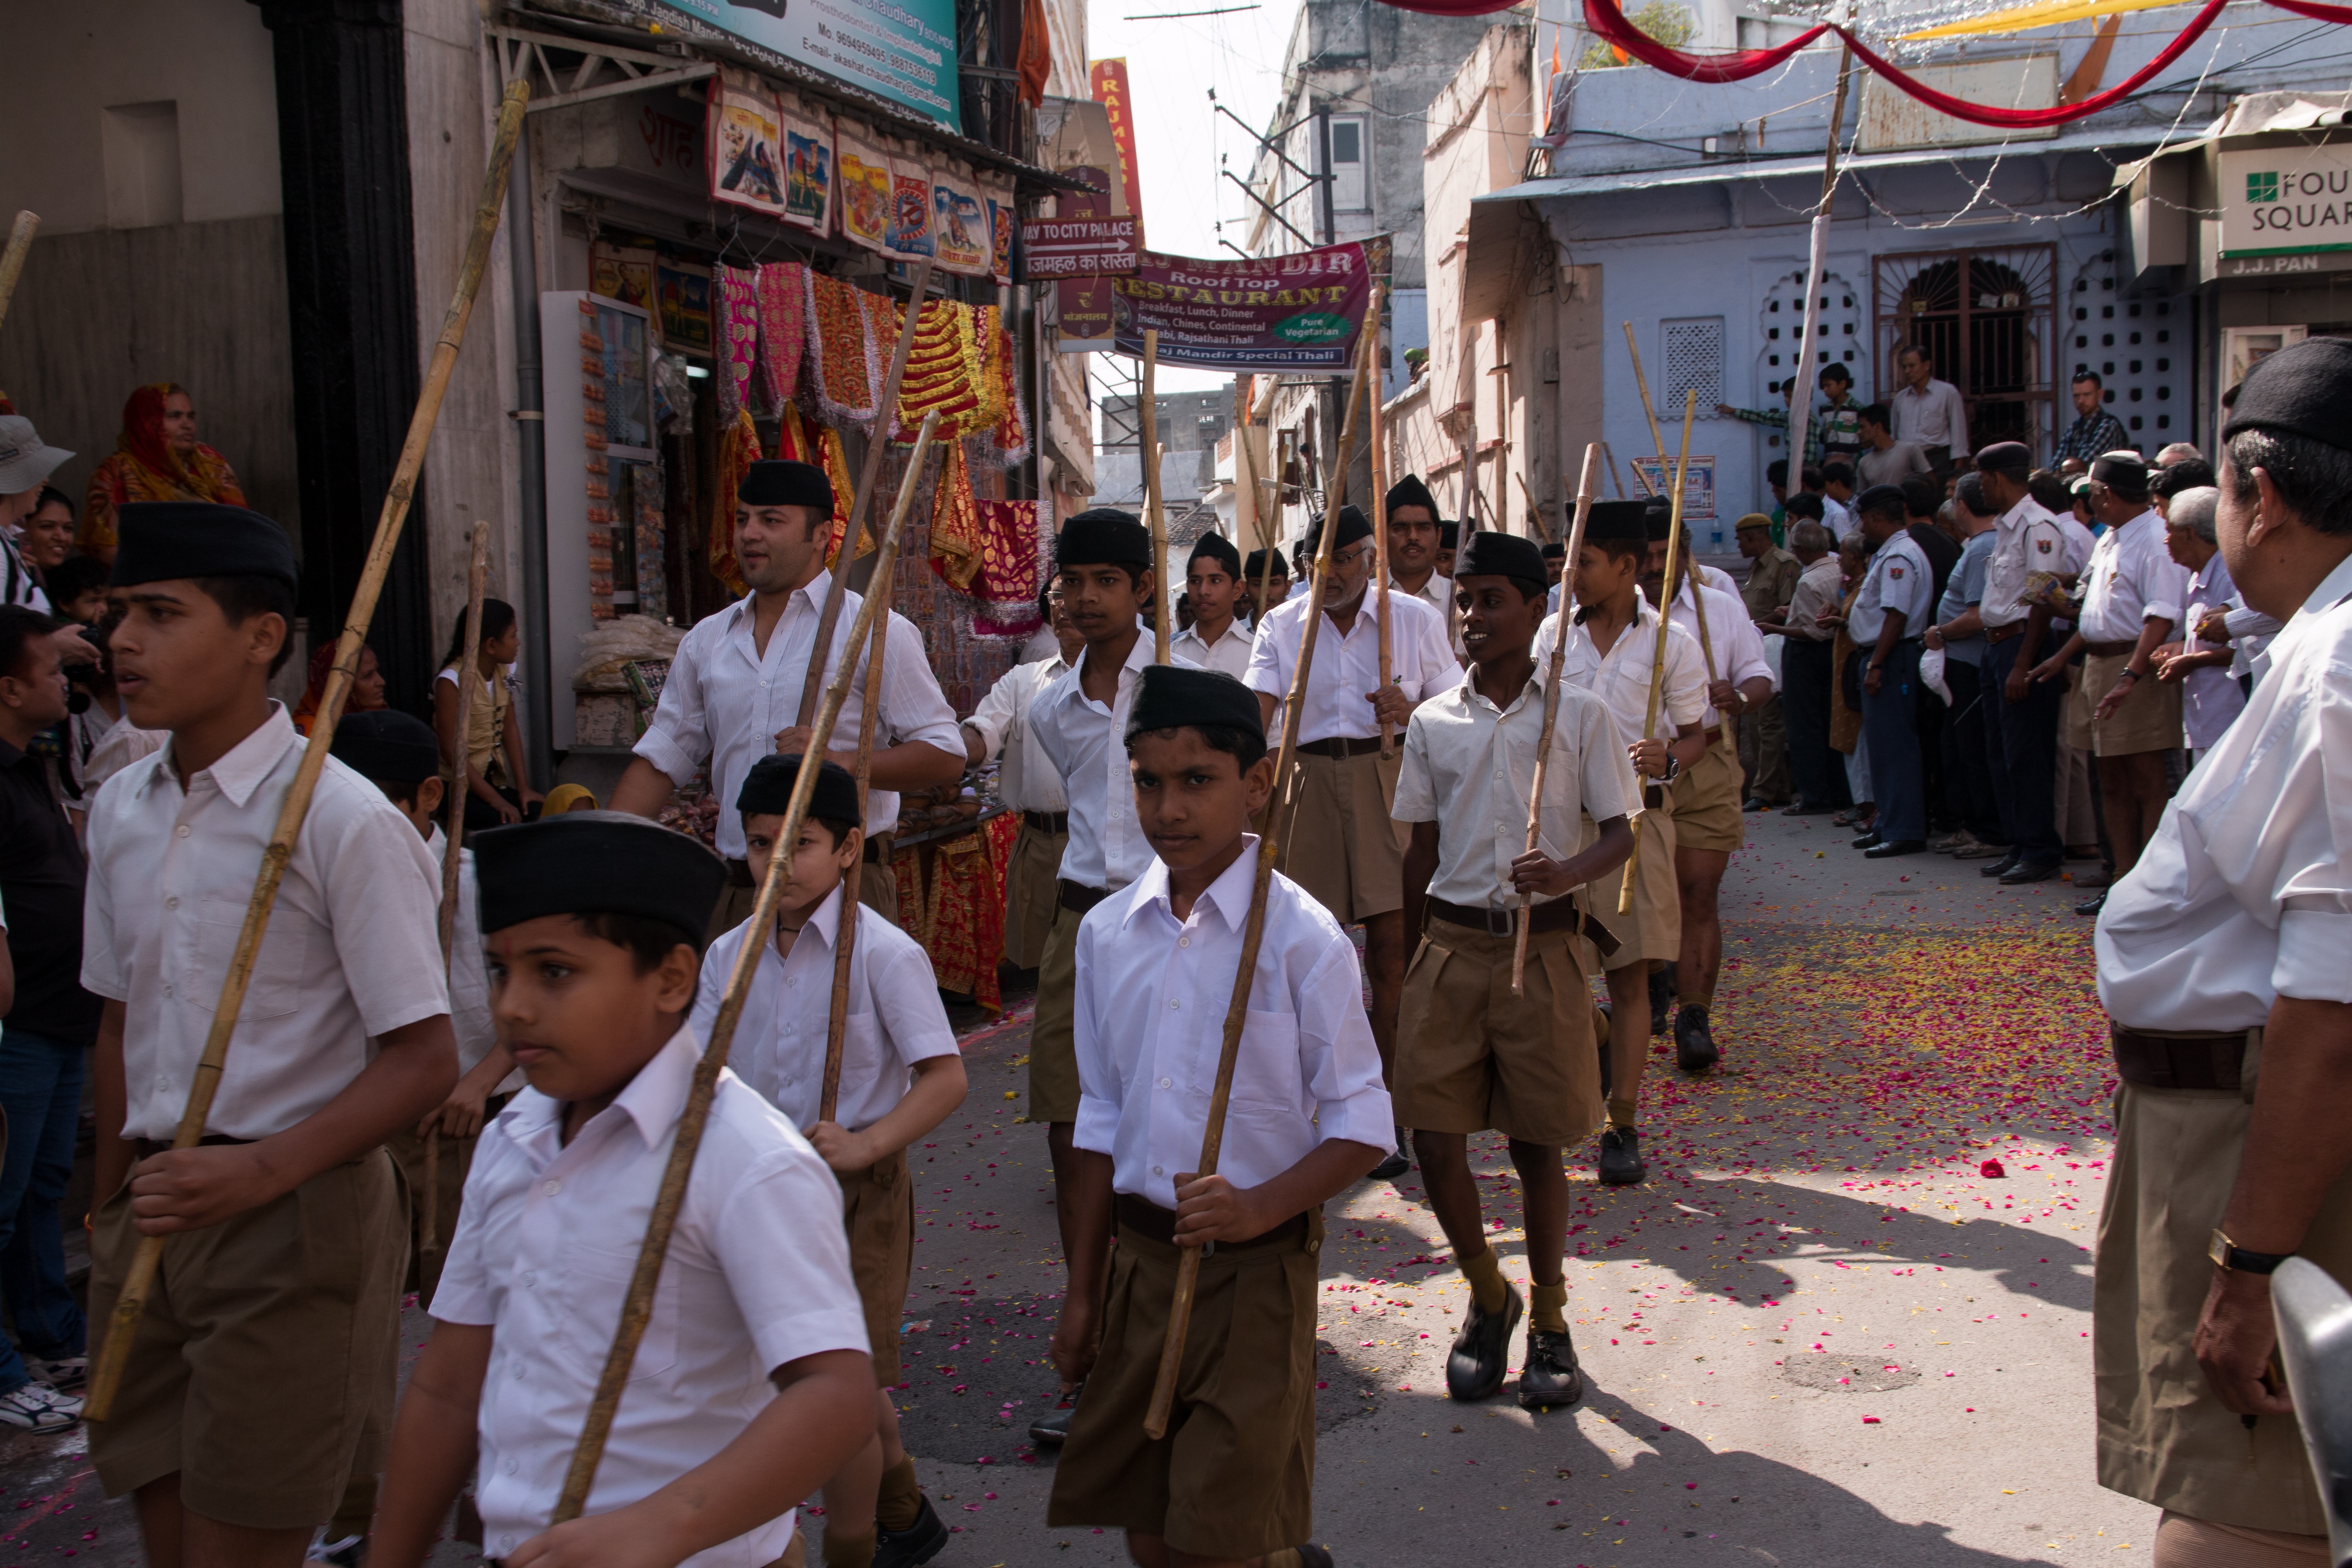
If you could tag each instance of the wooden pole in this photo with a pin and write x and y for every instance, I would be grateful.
(452, 852)
(114, 1350)
(11, 261)
(1657, 440)
(1380, 523)
(636, 1308)
(836, 1029)
(830, 617)
(1559, 630)
(1616, 479)
(1246, 462)
(1188, 1267)
(1147, 442)
(1666, 605)
(1801, 401)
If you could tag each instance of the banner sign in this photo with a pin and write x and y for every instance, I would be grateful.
(1084, 240)
(1296, 314)
(1106, 80)
(2286, 201)
(1657, 474)
(903, 50)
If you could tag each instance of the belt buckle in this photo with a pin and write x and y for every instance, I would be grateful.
(1499, 922)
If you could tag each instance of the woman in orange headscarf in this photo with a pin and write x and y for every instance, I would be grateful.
(157, 458)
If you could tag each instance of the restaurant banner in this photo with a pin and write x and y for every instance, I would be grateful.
(1276, 315)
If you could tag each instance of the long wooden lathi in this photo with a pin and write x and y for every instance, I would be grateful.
(830, 615)
(638, 1306)
(1560, 624)
(106, 1375)
(428, 1235)
(11, 261)
(1665, 611)
(1147, 446)
(1642, 383)
(1380, 523)
(1188, 1265)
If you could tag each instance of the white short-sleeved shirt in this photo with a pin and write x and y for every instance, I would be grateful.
(1897, 578)
(1150, 1016)
(1837, 517)
(1087, 744)
(2131, 578)
(1738, 646)
(895, 1018)
(1228, 655)
(1933, 415)
(757, 1277)
(724, 702)
(2028, 538)
(1025, 779)
(1470, 767)
(352, 950)
(1621, 678)
(1347, 668)
(2244, 894)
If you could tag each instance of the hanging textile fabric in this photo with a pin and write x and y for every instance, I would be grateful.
(739, 448)
(783, 329)
(955, 520)
(738, 338)
(848, 371)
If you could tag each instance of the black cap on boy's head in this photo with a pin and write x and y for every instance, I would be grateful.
(1179, 696)
(591, 863)
(1104, 536)
(1491, 554)
(387, 747)
(780, 482)
(767, 792)
(1216, 547)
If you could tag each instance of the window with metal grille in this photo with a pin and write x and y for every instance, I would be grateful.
(1692, 353)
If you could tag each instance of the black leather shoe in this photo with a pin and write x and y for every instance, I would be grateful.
(1694, 1048)
(1551, 1377)
(1867, 841)
(1480, 1359)
(1662, 1001)
(918, 1543)
(1396, 1164)
(1754, 802)
(2029, 871)
(2092, 905)
(1311, 1555)
(1620, 1157)
(2001, 868)
(1049, 1429)
(1888, 850)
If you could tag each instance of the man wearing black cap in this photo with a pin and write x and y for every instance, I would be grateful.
(2222, 953)
(1340, 843)
(1449, 538)
(2033, 547)
(1275, 575)
(1415, 535)
(2133, 592)
(734, 689)
(1554, 560)
(1216, 639)
(262, 1372)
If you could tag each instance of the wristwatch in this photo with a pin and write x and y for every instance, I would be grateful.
(1674, 769)
(2227, 1254)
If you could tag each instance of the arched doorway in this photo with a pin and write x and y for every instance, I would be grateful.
(1990, 319)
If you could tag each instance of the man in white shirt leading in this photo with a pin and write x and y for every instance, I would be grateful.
(1213, 583)
(2221, 966)
(734, 689)
(1928, 412)
(1897, 593)
(1026, 783)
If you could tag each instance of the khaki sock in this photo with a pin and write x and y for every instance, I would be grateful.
(1548, 1309)
(1601, 1028)
(845, 1551)
(900, 1500)
(1484, 1273)
(1621, 1114)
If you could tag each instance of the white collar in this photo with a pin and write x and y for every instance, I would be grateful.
(238, 771)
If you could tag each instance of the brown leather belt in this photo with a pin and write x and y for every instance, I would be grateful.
(2109, 650)
(1996, 636)
(1712, 737)
(2179, 1061)
(1339, 748)
(1054, 822)
(1560, 914)
(1654, 797)
(1076, 896)
(151, 1147)
(1151, 1222)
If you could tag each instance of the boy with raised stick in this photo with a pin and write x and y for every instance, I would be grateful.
(1231, 1483)
(895, 1029)
(1471, 1055)
(1338, 841)
(751, 1385)
(1612, 652)
(1103, 560)
(260, 1376)
(735, 687)
(1027, 783)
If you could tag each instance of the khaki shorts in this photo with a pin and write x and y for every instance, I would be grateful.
(877, 1206)
(1340, 844)
(877, 890)
(1234, 1477)
(1029, 902)
(2147, 721)
(1472, 1057)
(1652, 931)
(1707, 802)
(1053, 1045)
(450, 1161)
(262, 1373)
(2074, 715)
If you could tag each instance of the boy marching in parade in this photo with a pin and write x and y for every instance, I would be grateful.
(1026, 783)
(1216, 639)
(893, 1029)
(1471, 1055)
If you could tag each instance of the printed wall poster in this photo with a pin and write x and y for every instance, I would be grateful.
(865, 178)
(1656, 476)
(685, 290)
(1003, 221)
(960, 228)
(747, 161)
(910, 210)
(903, 50)
(808, 170)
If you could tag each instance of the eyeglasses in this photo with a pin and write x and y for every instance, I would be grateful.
(1351, 556)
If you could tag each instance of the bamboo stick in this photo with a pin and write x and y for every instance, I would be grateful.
(1188, 1267)
(636, 1308)
(1380, 524)
(11, 261)
(830, 615)
(452, 852)
(1246, 462)
(1666, 605)
(114, 1350)
(1657, 440)
(1147, 443)
(1560, 628)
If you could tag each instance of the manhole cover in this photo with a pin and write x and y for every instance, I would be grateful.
(1836, 1374)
